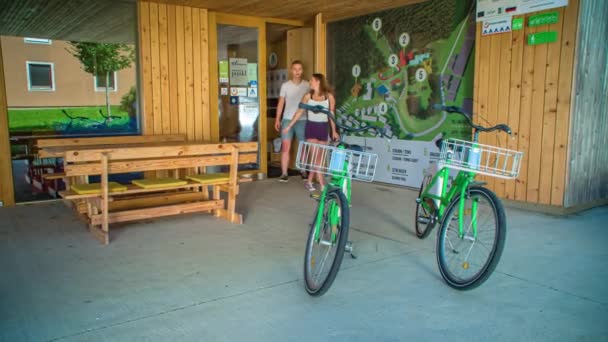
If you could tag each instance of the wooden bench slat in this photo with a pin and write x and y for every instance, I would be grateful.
(168, 210)
(155, 164)
(155, 200)
(52, 176)
(134, 189)
(131, 189)
(165, 150)
(116, 140)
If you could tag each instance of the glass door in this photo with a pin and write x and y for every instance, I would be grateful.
(239, 56)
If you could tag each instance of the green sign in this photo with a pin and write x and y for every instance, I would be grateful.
(518, 24)
(252, 72)
(223, 71)
(542, 38)
(543, 19)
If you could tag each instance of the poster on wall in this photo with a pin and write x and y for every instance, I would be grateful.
(496, 25)
(487, 9)
(238, 72)
(388, 74)
(223, 72)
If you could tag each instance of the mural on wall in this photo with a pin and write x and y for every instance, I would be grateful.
(77, 91)
(390, 68)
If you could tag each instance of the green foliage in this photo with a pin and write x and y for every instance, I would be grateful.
(127, 102)
(53, 119)
(102, 58)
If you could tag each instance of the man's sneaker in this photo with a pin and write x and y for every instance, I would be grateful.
(283, 179)
(308, 185)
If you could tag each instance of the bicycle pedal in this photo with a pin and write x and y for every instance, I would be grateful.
(315, 197)
(424, 220)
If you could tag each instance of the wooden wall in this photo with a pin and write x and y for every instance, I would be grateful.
(7, 195)
(529, 88)
(174, 64)
(300, 46)
(320, 44)
(588, 176)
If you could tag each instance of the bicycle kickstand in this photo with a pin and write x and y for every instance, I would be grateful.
(349, 249)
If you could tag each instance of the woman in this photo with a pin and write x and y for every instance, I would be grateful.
(317, 124)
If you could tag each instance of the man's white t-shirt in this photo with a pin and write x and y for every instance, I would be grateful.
(293, 94)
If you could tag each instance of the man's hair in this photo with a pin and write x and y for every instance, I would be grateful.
(297, 61)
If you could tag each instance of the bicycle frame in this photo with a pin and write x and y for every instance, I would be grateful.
(339, 179)
(459, 186)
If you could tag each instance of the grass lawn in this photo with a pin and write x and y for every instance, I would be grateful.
(86, 120)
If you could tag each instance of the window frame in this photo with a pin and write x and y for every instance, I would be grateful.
(42, 41)
(29, 80)
(103, 89)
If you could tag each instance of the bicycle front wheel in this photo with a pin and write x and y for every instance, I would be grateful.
(324, 252)
(467, 257)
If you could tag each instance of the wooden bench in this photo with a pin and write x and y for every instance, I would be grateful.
(56, 148)
(134, 202)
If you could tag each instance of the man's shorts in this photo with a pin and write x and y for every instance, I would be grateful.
(298, 129)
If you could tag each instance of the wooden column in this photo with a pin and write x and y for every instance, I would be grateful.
(7, 194)
(320, 44)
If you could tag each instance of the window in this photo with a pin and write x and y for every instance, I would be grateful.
(40, 76)
(37, 41)
(100, 82)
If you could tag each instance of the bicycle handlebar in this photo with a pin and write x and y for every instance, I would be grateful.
(455, 109)
(321, 109)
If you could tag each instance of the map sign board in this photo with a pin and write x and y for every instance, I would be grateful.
(388, 74)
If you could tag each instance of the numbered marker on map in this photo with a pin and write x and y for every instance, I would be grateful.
(356, 71)
(404, 39)
(393, 60)
(377, 24)
(382, 108)
(421, 75)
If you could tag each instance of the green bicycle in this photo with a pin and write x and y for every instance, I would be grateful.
(473, 225)
(328, 236)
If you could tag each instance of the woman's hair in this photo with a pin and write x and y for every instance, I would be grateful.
(324, 87)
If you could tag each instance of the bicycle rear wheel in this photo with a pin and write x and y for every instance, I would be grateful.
(323, 256)
(467, 261)
(425, 211)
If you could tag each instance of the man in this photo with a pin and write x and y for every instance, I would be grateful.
(290, 96)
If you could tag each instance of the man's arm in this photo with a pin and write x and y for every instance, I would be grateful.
(279, 115)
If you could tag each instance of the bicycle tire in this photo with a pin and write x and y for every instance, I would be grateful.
(423, 229)
(314, 288)
(495, 253)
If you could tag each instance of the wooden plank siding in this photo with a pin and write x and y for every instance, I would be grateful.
(174, 59)
(529, 88)
(588, 173)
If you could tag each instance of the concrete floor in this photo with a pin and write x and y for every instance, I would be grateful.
(195, 278)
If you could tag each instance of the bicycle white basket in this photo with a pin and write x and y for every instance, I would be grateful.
(330, 160)
(480, 159)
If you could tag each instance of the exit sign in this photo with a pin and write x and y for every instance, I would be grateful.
(542, 38)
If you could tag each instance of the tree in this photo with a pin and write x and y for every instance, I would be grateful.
(103, 59)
